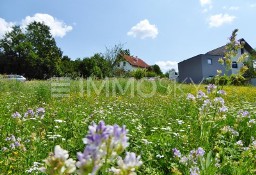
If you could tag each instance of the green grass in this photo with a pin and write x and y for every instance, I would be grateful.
(154, 123)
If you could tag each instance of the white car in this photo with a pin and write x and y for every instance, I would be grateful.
(16, 77)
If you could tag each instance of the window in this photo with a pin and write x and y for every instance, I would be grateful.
(254, 64)
(209, 61)
(242, 51)
(124, 63)
(234, 64)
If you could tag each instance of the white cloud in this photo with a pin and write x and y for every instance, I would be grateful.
(207, 5)
(143, 30)
(206, 2)
(5, 27)
(231, 8)
(167, 65)
(57, 27)
(220, 19)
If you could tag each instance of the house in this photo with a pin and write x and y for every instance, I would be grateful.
(130, 63)
(203, 66)
(173, 75)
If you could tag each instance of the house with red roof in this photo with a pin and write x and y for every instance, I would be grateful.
(130, 63)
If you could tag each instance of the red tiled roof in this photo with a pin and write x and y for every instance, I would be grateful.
(134, 61)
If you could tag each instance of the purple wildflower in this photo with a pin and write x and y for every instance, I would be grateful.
(201, 94)
(16, 115)
(13, 138)
(40, 111)
(29, 113)
(190, 97)
(210, 88)
(184, 160)
(200, 152)
(130, 161)
(194, 171)
(206, 103)
(8, 139)
(219, 100)
(231, 130)
(17, 144)
(221, 92)
(223, 109)
(239, 143)
(12, 146)
(102, 142)
(244, 113)
(176, 152)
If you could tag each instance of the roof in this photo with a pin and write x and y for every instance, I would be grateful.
(221, 50)
(134, 61)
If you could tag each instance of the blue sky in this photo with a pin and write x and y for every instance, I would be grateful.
(161, 32)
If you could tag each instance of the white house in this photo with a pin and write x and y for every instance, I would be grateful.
(130, 63)
(173, 75)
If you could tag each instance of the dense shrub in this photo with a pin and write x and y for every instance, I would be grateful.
(237, 80)
(138, 73)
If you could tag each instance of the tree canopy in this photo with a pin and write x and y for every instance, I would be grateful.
(32, 52)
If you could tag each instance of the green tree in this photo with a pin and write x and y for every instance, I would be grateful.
(114, 55)
(14, 50)
(32, 52)
(155, 68)
(95, 66)
(44, 57)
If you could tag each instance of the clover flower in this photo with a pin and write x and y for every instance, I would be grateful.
(254, 144)
(35, 168)
(194, 171)
(16, 115)
(58, 162)
(251, 122)
(201, 94)
(192, 159)
(205, 105)
(103, 142)
(29, 113)
(200, 152)
(4, 149)
(221, 92)
(223, 108)
(210, 88)
(128, 165)
(231, 130)
(219, 100)
(184, 160)
(190, 97)
(244, 113)
(14, 142)
(176, 152)
(239, 143)
(40, 112)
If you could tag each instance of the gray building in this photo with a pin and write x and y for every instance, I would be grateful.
(202, 66)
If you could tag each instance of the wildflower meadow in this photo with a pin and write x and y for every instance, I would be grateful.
(125, 127)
